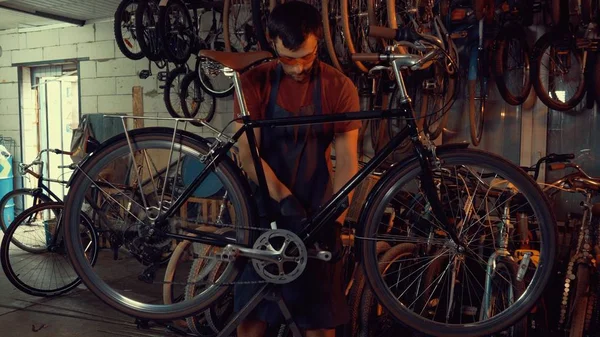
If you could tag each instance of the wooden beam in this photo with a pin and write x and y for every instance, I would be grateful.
(138, 106)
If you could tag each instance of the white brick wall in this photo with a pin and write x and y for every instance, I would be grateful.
(105, 31)
(87, 69)
(8, 74)
(74, 35)
(113, 68)
(98, 86)
(59, 52)
(9, 42)
(89, 104)
(106, 79)
(45, 38)
(27, 55)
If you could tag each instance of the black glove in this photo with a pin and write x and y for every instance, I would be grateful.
(292, 213)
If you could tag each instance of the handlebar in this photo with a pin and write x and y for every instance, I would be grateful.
(549, 159)
(406, 35)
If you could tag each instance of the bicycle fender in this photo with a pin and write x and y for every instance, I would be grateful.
(388, 174)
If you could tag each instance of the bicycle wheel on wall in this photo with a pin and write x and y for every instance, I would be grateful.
(398, 211)
(511, 65)
(478, 90)
(238, 31)
(124, 29)
(355, 23)
(558, 72)
(335, 40)
(162, 159)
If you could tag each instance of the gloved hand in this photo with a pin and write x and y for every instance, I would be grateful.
(292, 213)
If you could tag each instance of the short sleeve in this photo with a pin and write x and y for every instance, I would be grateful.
(347, 102)
(250, 87)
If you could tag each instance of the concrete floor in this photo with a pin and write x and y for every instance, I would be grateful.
(78, 313)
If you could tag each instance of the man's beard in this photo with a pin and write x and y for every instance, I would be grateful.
(304, 76)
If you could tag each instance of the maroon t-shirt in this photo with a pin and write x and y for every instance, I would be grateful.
(338, 93)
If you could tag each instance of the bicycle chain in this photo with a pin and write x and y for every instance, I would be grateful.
(583, 255)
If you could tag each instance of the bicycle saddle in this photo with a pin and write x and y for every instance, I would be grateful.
(236, 61)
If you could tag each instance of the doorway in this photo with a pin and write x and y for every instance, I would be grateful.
(50, 113)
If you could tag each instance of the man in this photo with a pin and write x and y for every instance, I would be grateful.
(297, 165)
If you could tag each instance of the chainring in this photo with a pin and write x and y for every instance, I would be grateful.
(292, 256)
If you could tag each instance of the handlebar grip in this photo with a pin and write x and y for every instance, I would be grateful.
(366, 57)
(557, 166)
(382, 32)
(400, 34)
(70, 166)
(565, 156)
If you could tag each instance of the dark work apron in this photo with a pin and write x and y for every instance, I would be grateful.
(297, 156)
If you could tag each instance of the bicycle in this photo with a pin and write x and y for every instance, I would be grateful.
(17, 201)
(442, 179)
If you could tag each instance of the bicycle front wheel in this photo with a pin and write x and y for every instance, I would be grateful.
(161, 164)
(442, 289)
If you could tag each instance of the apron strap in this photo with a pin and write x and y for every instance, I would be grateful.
(276, 80)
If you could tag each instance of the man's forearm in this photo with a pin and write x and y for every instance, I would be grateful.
(343, 173)
(277, 190)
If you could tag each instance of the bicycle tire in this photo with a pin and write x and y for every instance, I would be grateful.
(327, 6)
(147, 35)
(565, 42)
(475, 109)
(511, 269)
(596, 79)
(173, 85)
(212, 317)
(14, 276)
(508, 34)
(580, 302)
(587, 14)
(36, 194)
(367, 301)
(257, 22)
(159, 138)
(441, 105)
(348, 32)
(168, 295)
(191, 105)
(411, 168)
(176, 56)
(119, 34)
(207, 85)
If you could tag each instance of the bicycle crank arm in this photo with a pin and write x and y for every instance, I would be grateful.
(270, 256)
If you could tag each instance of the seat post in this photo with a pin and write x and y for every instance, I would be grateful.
(237, 83)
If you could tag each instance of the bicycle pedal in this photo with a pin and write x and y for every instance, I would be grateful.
(429, 84)
(144, 74)
(162, 76)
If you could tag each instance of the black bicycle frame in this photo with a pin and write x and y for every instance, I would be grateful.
(335, 206)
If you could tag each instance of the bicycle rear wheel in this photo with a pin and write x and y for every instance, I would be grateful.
(476, 188)
(156, 155)
(47, 271)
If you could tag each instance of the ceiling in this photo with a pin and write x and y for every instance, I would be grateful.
(32, 13)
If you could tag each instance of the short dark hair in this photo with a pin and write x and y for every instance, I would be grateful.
(293, 21)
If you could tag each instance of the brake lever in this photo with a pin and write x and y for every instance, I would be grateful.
(377, 68)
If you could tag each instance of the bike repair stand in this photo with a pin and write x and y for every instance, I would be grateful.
(269, 292)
